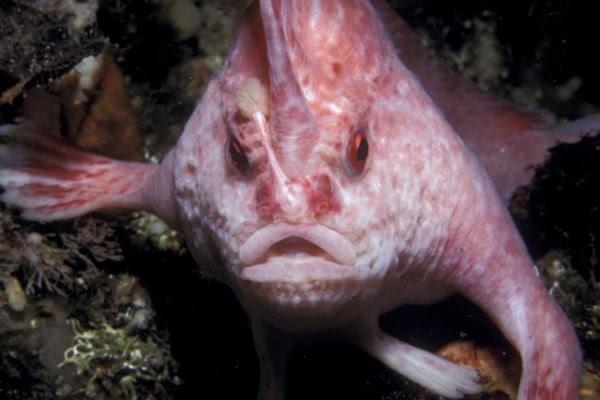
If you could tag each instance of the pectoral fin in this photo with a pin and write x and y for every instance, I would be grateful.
(428, 370)
(48, 178)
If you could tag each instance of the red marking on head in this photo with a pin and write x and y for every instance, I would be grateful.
(266, 202)
(513, 246)
(536, 357)
(321, 196)
(544, 393)
(190, 168)
(532, 395)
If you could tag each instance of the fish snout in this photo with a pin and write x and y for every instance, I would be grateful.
(297, 199)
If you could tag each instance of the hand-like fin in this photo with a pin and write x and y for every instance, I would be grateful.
(495, 272)
(48, 178)
(428, 370)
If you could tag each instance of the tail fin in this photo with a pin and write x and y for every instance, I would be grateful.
(48, 178)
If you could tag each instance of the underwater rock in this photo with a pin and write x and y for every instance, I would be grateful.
(96, 109)
(43, 39)
(499, 368)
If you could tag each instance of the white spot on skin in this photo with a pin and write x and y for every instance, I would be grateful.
(252, 98)
(334, 108)
(313, 20)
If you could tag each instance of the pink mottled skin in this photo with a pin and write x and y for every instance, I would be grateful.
(314, 234)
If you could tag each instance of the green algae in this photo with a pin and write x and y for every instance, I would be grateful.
(116, 364)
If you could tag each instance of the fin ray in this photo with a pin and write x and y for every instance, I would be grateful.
(48, 178)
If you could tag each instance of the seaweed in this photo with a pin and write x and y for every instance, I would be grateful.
(49, 261)
(116, 364)
(119, 354)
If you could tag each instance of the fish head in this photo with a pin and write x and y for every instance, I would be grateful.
(289, 165)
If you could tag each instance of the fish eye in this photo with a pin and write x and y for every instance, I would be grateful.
(237, 156)
(357, 152)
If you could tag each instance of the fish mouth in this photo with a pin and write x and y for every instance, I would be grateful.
(296, 254)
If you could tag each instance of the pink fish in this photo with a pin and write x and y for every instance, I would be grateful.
(338, 171)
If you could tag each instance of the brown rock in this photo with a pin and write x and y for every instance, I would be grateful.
(96, 109)
(500, 369)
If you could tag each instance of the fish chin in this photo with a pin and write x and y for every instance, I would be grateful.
(299, 276)
(301, 293)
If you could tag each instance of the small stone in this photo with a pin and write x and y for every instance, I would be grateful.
(14, 294)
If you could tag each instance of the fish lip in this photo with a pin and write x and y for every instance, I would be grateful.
(281, 270)
(256, 247)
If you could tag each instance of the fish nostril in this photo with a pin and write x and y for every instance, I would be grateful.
(266, 203)
(316, 196)
(322, 208)
(322, 198)
(336, 68)
(323, 184)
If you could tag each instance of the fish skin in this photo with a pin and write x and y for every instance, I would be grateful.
(423, 219)
(507, 140)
